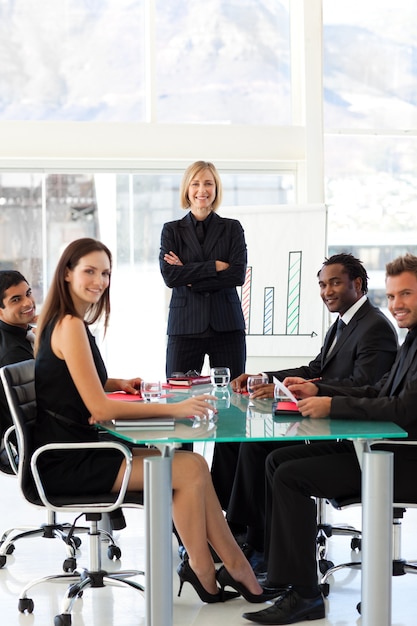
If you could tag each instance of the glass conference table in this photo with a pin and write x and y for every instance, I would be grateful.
(240, 419)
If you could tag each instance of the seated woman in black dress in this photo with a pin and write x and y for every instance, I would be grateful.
(71, 382)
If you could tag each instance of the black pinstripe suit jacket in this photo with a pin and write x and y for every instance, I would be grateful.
(200, 295)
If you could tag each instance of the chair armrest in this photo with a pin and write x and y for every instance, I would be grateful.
(99, 445)
(11, 449)
(393, 442)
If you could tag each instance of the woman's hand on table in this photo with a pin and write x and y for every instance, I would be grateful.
(200, 406)
(131, 385)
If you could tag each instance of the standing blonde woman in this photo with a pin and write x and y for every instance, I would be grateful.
(203, 259)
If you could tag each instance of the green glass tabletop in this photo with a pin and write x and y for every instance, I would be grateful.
(240, 419)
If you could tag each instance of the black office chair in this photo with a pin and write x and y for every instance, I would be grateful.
(399, 565)
(325, 530)
(18, 382)
(52, 528)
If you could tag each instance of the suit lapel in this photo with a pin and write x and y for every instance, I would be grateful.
(189, 237)
(350, 328)
(213, 234)
(344, 337)
(405, 366)
(328, 340)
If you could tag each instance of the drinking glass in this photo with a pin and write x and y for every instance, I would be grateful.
(222, 395)
(220, 376)
(257, 379)
(151, 390)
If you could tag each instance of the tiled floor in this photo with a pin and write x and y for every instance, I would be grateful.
(124, 607)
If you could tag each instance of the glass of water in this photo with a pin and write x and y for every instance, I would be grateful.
(151, 390)
(220, 376)
(253, 381)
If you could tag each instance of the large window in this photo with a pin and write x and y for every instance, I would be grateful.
(370, 64)
(370, 116)
(226, 61)
(42, 213)
(72, 60)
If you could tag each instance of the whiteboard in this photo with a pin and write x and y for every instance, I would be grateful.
(283, 311)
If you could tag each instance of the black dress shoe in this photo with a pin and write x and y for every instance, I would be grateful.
(289, 608)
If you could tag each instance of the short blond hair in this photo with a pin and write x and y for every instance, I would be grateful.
(190, 173)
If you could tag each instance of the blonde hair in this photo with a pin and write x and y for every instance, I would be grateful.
(190, 173)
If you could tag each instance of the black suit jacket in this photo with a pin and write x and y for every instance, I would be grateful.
(14, 347)
(365, 351)
(382, 401)
(202, 297)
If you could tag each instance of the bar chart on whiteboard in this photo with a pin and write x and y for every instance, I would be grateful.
(283, 311)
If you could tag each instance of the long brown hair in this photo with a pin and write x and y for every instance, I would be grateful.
(58, 302)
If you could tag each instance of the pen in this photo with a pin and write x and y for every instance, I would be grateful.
(310, 380)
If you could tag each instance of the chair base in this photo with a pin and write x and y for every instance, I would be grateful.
(57, 531)
(78, 583)
(399, 568)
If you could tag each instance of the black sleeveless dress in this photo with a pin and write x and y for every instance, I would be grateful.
(63, 417)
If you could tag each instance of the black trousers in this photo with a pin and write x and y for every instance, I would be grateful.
(297, 474)
(185, 352)
(238, 473)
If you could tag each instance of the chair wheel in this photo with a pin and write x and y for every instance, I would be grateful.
(25, 604)
(359, 608)
(3, 560)
(325, 589)
(62, 620)
(114, 552)
(69, 565)
(325, 565)
(356, 543)
(10, 548)
(77, 542)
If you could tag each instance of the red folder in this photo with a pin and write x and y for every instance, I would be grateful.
(285, 407)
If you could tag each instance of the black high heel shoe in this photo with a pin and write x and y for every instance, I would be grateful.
(186, 574)
(225, 579)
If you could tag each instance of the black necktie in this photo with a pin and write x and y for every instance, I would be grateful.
(339, 328)
(340, 325)
(199, 229)
(404, 350)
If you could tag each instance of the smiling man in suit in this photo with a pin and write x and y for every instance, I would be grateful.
(17, 313)
(364, 350)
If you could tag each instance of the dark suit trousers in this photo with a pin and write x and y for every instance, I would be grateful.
(294, 475)
(325, 470)
(228, 349)
(242, 493)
